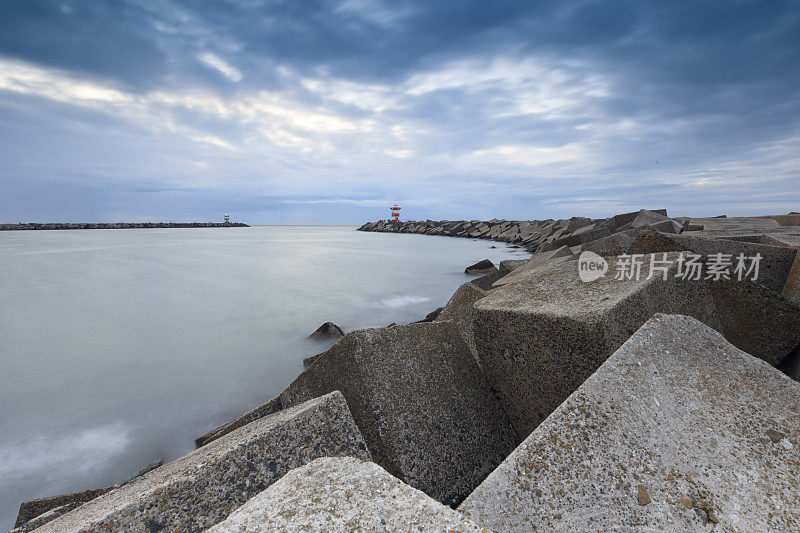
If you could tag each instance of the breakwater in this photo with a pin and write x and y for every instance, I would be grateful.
(118, 225)
(534, 235)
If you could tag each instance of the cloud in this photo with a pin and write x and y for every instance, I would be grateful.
(457, 109)
(215, 62)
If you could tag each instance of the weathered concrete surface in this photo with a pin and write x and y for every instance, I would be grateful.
(343, 495)
(733, 227)
(327, 331)
(203, 487)
(421, 402)
(641, 240)
(784, 240)
(791, 364)
(677, 431)
(268, 408)
(53, 506)
(535, 263)
(459, 311)
(481, 267)
(756, 318)
(540, 336)
(485, 282)
(509, 265)
(791, 289)
(753, 314)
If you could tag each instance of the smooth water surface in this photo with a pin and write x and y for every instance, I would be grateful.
(120, 347)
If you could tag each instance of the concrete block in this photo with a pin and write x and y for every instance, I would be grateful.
(542, 334)
(642, 240)
(343, 495)
(791, 289)
(627, 218)
(536, 262)
(583, 236)
(677, 431)
(485, 282)
(483, 266)
(649, 218)
(421, 402)
(509, 265)
(784, 240)
(205, 486)
(459, 311)
(576, 223)
(35, 513)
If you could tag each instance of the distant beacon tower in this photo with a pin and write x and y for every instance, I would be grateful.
(395, 209)
(227, 218)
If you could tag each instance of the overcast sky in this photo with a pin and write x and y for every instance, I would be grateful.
(312, 111)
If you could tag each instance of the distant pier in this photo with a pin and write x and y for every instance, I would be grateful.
(120, 225)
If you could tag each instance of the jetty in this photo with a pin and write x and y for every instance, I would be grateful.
(117, 225)
(637, 372)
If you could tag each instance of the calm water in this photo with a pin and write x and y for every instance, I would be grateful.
(119, 347)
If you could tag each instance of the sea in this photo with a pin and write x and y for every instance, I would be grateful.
(120, 347)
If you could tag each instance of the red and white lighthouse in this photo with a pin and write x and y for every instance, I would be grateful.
(395, 209)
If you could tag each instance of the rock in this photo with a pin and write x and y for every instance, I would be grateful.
(268, 408)
(459, 311)
(582, 236)
(642, 240)
(792, 219)
(327, 331)
(152, 466)
(343, 495)
(481, 267)
(643, 497)
(421, 402)
(542, 334)
(754, 316)
(791, 289)
(536, 262)
(734, 226)
(509, 265)
(576, 223)
(791, 364)
(35, 513)
(627, 218)
(756, 319)
(677, 410)
(783, 240)
(430, 317)
(203, 487)
(485, 282)
(648, 218)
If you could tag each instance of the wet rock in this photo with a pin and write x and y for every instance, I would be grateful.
(485, 282)
(152, 466)
(343, 495)
(205, 486)
(481, 267)
(421, 402)
(327, 331)
(265, 409)
(676, 409)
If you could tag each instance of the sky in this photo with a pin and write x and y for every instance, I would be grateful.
(313, 111)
